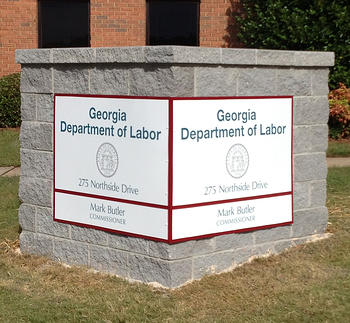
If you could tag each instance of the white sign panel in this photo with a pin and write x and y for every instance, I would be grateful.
(217, 218)
(112, 215)
(112, 147)
(233, 148)
(173, 169)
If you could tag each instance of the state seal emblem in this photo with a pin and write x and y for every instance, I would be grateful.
(237, 161)
(107, 159)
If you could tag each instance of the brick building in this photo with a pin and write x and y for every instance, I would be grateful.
(107, 23)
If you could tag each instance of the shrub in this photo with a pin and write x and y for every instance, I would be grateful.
(322, 25)
(10, 101)
(339, 112)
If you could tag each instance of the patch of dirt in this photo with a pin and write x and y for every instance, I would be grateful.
(338, 162)
(11, 129)
(342, 140)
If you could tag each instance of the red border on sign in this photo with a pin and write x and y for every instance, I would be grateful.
(170, 206)
(170, 176)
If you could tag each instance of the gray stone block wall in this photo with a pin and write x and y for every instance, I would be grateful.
(169, 71)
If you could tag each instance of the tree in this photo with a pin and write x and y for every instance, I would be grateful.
(322, 25)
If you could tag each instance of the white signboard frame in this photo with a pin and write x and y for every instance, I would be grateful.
(173, 169)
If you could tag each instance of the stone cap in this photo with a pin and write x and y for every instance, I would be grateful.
(175, 55)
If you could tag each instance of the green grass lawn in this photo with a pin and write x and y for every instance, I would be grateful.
(9, 205)
(338, 149)
(309, 283)
(9, 147)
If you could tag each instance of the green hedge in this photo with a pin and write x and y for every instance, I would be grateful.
(339, 112)
(10, 101)
(322, 25)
